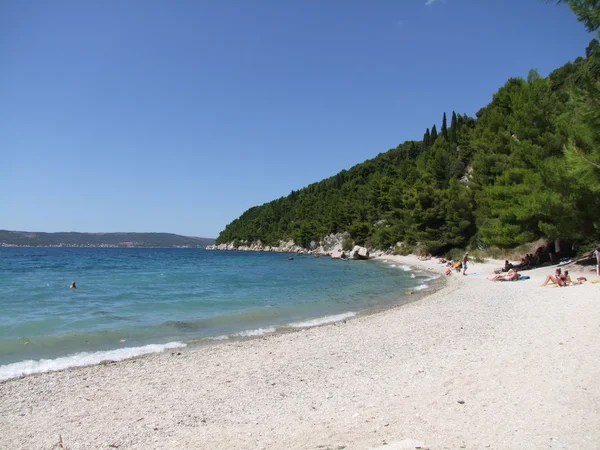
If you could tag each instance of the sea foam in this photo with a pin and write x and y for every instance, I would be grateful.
(28, 367)
(322, 320)
(257, 332)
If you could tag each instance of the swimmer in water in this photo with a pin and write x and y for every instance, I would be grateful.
(73, 286)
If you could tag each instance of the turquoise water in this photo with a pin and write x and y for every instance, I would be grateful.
(135, 301)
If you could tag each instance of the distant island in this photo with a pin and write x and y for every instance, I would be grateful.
(73, 239)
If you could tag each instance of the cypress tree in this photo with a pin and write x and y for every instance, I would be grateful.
(427, 139)
(433, 135)
(453, 128)
(444, 127)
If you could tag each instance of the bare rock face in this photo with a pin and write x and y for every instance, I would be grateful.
(331, 245)
(359, 252)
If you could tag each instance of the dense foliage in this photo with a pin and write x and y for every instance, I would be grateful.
(527, 167)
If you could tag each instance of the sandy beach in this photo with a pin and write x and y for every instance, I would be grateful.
(476, 365)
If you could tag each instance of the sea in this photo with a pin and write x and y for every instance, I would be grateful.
(134, 301)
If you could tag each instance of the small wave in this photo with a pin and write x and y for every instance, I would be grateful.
(421, 287)
(223, 337)
(412, 275)
(257, 332)
(322, 320)
(28, 367)
(406, 268)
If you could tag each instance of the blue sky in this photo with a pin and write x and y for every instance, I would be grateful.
(177, 116)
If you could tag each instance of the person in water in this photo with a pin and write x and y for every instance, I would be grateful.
(73, 286)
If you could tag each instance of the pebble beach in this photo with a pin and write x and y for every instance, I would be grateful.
(476, 364)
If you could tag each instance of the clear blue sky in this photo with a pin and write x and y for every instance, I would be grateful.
(177, 116)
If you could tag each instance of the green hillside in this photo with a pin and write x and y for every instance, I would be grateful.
(526, 167)
(71, 239)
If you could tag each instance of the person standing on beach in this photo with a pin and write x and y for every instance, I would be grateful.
(465, 262)
(597, 255)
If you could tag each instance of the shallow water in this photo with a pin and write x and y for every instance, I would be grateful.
(135, 301)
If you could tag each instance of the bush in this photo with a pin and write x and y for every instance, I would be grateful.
(455, 253)
(347, 244)
(404, 249)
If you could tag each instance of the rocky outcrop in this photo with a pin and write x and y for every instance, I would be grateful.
(331, 245)
(359, 252)
(258, 246)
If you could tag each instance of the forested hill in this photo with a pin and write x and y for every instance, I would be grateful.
(527, 167)
(71, 239)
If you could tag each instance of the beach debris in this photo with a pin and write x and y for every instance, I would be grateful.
(61, 445)
(113, 445)
(462, 402)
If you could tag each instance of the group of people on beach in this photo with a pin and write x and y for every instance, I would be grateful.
(562, 279)
(456, 264)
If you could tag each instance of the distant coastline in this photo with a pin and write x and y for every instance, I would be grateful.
(101, 240)
(133, 245)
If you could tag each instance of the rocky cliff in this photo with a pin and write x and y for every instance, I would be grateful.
(331, 245)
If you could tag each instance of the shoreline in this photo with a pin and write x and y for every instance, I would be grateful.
(30, 367)
(474, 364)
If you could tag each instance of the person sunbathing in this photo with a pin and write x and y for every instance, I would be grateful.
(568, 281)
(510, 276)
(556, 279)
(580, 280)
(457, 265)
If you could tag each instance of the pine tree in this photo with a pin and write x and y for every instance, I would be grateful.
(587, 11)
(427, 139)
(444, 127)
(433, 135)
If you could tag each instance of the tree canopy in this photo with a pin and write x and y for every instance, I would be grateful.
(526, 167)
